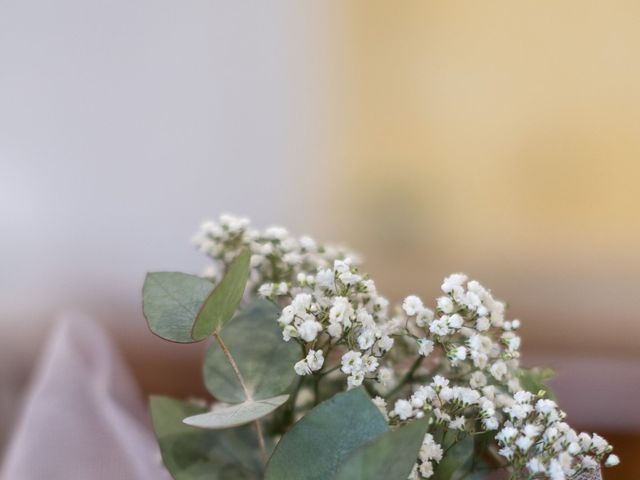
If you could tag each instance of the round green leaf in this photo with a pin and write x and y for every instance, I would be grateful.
(265, 360)
(235, 415)
(391, 455)
(194, 454)
(223, 301)
(315, 447)
(171, 302)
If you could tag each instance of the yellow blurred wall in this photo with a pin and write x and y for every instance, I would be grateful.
(500, 138)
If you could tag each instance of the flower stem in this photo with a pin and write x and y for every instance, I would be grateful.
(247, 394)
(407, 378)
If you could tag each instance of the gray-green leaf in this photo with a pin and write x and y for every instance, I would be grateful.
(235, 415)
(171, 302)
(314, 447)
(194, 454)
(223, 301)
(265, 361)
(391, 455)
(457, 462)
(534, 379)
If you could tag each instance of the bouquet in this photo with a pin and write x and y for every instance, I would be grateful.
(316, 376)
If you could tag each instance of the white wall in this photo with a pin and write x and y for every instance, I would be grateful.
(124, 123)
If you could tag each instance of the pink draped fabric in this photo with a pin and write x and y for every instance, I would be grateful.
(84, 417)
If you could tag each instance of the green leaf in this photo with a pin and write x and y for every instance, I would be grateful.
(235, 415)
(534, 379)
(171, 302)
(265, 361)
(223, 301)
(314, 447)
(457, 461)
(391, 455)
(194, 454)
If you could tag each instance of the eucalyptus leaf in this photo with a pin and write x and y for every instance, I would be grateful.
(265, 361)
(235, 415)
(171, 302)
(223, 301)
(318, 444)
(391, 455)
(534, 380)
(457, 461)
(194, 454)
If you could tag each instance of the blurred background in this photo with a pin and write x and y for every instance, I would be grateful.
(497, 138)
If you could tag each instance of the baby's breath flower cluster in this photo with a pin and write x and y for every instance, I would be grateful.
(277, 258)
(336, 308)
(538, 444)
(465, 373)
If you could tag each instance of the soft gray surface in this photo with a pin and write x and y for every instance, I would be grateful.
(84, 417)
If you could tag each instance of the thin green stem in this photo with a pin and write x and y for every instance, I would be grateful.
(407, 377)
(247, 393)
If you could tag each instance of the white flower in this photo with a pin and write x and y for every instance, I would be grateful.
(366, 339)
(430, 449)
(349, 278)
(545, 406)
(302, 368)
(381, 404)
(384, 344)
(483, 324)
(342, 266)
(315, 359)
(514, 344)
(455, 321)
(403, 409)
(286, 317)
(452, 281)
(531, 430)
(459, 354)
(524, 443)
(334, 329)
(523, 396)
(309, 329)
(412, 305)
(289, 332)
(308, 243)
(283, 288)
(325, 279)
(445, 305)
(478, 379)
(351, 362)
(341, 311)
(598, 443)
(498, 370)
(612, 460)
(266, 290)
(457, 423)
(385, 376)
(369, 363)
(425, 347)
(424, 317)
(426, 469)
(301, 303)
(439, 382)
(535, 465)
(439, 327)
(355, 380)
(276, 233)
(490, 423)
